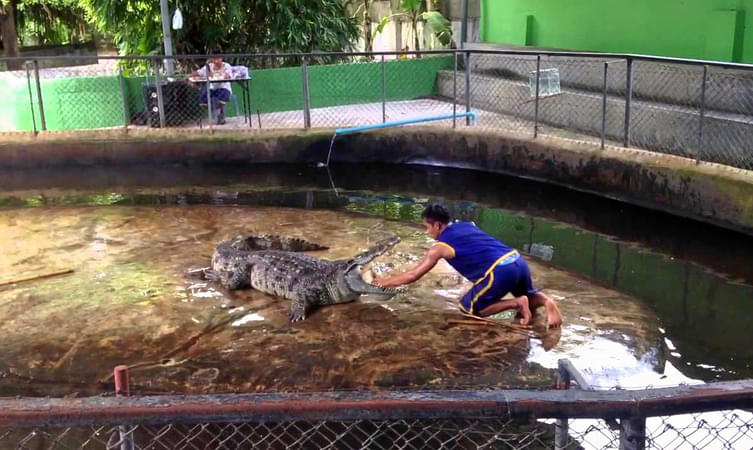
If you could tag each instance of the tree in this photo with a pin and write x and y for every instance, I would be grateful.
(363, 10)
(51, 21)
(9, 33)
(228, 26)
(45, 21)
(434, 20)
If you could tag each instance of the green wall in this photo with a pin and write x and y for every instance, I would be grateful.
(702, 29)
(96, 102)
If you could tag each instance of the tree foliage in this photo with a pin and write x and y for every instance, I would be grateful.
(49, 22)
(416, 10)
(228, 26)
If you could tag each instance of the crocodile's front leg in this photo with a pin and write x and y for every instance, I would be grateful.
(302, 304)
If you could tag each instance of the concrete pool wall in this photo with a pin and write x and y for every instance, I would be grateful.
(713, 193)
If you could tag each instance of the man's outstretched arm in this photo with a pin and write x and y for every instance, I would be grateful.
(434, 254)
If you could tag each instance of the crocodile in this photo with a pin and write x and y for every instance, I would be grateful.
(274, 265)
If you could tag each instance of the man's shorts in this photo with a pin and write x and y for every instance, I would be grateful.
(514, 277)
(217, 95)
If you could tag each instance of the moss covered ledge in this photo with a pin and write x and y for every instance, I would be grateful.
(710, 192)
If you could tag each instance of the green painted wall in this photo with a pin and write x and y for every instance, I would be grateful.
(703, 29)
(96, 102)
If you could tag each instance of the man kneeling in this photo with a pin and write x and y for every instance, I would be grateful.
(496, 269)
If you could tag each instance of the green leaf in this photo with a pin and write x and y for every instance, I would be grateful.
(382, 23)
(439, 25)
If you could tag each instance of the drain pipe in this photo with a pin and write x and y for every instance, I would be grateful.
(470, 114)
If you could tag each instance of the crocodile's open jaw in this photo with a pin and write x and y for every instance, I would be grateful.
(353, 277)
(357, 284)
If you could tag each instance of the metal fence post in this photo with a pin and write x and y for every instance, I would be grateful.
(561, 431)
(604, 106)
(42, 122)
(467, 86)
(31, 99)
(633, 433)
(384, 91)
(455, 92)
(628, 99)
(160, 98)
(536, 100)
(306, 98)
(122, 388)
(702, 114)
(123, 97)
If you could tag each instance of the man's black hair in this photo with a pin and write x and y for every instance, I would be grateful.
(436, 213)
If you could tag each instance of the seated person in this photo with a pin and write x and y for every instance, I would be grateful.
(219, 93)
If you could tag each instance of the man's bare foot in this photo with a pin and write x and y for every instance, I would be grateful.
(553, 315)
(524, 310)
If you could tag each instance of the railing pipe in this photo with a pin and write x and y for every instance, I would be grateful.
(702, 114)
(455, 91)
(384, 91)
(124, 103)
(604, 106)
(306, 97)
(31, 100)
(468, 86)
(628, 100)
(42, 121)
(536, 100)
(161, 98)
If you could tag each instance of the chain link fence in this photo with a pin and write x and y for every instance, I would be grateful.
(713, 416)
(446, 420)
(357, 434)
(695, 109)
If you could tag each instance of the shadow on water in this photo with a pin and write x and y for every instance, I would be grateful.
(694, 276)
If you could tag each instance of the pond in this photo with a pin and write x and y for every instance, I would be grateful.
(648, 298)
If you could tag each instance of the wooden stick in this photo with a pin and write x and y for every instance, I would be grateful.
(36, 277)
(520, 329)
(468, 322)
(514, 325)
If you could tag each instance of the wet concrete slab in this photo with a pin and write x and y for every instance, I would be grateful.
(131, 300)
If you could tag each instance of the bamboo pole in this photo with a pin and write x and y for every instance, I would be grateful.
(35, 277)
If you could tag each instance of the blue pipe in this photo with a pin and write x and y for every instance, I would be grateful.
(471, 114)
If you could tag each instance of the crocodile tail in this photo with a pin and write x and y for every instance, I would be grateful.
(273, 242)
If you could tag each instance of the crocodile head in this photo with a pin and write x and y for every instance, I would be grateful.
(356, 284)
(351, 278)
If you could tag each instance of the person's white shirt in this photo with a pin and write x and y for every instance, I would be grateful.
(227, 68)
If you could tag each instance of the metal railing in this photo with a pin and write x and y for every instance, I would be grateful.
(696, 109)
(676, 417)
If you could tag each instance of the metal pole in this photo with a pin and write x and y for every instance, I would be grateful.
(384, 91)
(633, 433)
(122, 389)
(42, 121)
(628, 99)
(209, 99)
(160, 99)
(168, 40)
(467, 86)
(455, 92)
(123, 98)
(604, 106)
(702, 114)
(536, 100)
(561, 431)
(306, 98)
(464, 23)
(31, 99)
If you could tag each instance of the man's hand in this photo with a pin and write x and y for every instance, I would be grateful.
(434, 254)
